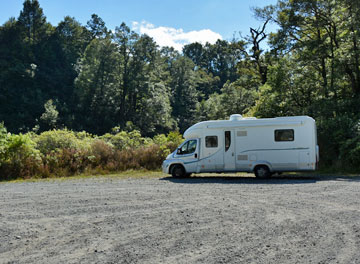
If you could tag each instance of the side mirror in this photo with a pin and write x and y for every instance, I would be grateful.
(178, 151)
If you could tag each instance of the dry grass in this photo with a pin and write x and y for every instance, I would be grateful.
(130, 174)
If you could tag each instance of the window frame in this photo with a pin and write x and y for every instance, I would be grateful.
(212, 136)
(187, 143)
(277, 139)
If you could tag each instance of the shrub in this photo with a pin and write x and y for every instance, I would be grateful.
(4, 137)
(175, 138)
(126, 160)
(19, 157)
(64, 152)
(126, 140)
(101, 152)
(150, 158)
(61, 139)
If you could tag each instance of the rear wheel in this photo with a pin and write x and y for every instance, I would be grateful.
(178, 171)
(262, 172)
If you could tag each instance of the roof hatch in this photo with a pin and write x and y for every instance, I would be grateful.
(235, 117)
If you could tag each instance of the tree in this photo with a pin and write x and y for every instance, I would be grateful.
(97, 86)
(97, 27)
(50, 116)
(233, 99)
(124, 39)
(184, 94)
(257, 36)
(15, 74)
(219, 59)
(33, 22)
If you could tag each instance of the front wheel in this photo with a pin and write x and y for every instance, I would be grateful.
(262, 172)
(178, 171)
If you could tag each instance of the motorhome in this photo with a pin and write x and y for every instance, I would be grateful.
(246, 144)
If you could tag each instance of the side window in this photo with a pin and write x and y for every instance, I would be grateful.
(284, 135)
(192, 146)
(227, 140)
(188, 148)
(184, 148)
(211, 141)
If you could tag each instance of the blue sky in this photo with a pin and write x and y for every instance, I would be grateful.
(169, 22)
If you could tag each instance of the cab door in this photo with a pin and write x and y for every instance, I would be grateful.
(188, 153)
(229, 150)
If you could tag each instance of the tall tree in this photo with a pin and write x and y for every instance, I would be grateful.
(184, 94)
(97, 86)
(32, 21)
(97, 27)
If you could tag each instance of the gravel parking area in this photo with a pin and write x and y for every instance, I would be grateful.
(195, 220)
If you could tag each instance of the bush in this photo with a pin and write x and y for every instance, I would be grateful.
(150, 158)
(175, 138)
(18, 157)
(126, 140)
(4, 137)
(64, 152)
(54, 140)
(101, 152)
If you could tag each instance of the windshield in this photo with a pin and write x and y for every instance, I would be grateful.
(188, 148)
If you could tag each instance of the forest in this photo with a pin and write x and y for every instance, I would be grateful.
(70, 77)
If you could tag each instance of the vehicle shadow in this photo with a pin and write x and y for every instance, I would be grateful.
(282, 179)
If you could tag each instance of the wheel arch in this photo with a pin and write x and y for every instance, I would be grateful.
(174, 164)
(262, 163)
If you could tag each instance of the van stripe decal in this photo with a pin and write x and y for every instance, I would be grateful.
(273, 149)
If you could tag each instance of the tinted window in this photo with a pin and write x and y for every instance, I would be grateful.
(188, 148)
(284, 135)
(227, 140)
(211, 141)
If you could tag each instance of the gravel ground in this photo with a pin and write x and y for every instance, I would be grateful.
(195, 220)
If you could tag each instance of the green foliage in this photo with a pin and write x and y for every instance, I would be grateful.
(64, 152)
(54, 140)
(50, 116)
(233, 99)
(4, 137)
(175, 137)
(350, 152)
(126, 140)
(18, 155)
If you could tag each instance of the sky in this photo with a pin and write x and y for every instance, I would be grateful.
(169, 22)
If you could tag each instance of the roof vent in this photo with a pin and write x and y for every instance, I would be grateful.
(235, 117)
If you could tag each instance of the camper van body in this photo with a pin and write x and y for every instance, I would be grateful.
(263, 146)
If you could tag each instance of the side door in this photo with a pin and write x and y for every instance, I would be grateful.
(212, 153)
(188, 153)
(229, 150)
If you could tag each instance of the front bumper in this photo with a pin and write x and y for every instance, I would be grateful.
(165, 167)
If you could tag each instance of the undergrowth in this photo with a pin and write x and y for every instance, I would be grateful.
(62, 153)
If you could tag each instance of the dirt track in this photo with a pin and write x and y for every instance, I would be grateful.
(196, 220)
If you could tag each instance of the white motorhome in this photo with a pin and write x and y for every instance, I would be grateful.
(246, 144)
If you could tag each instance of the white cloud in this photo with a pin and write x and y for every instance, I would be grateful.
(177, 38)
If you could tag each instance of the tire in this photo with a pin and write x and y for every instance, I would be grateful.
(262, 172)
(178, 171)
